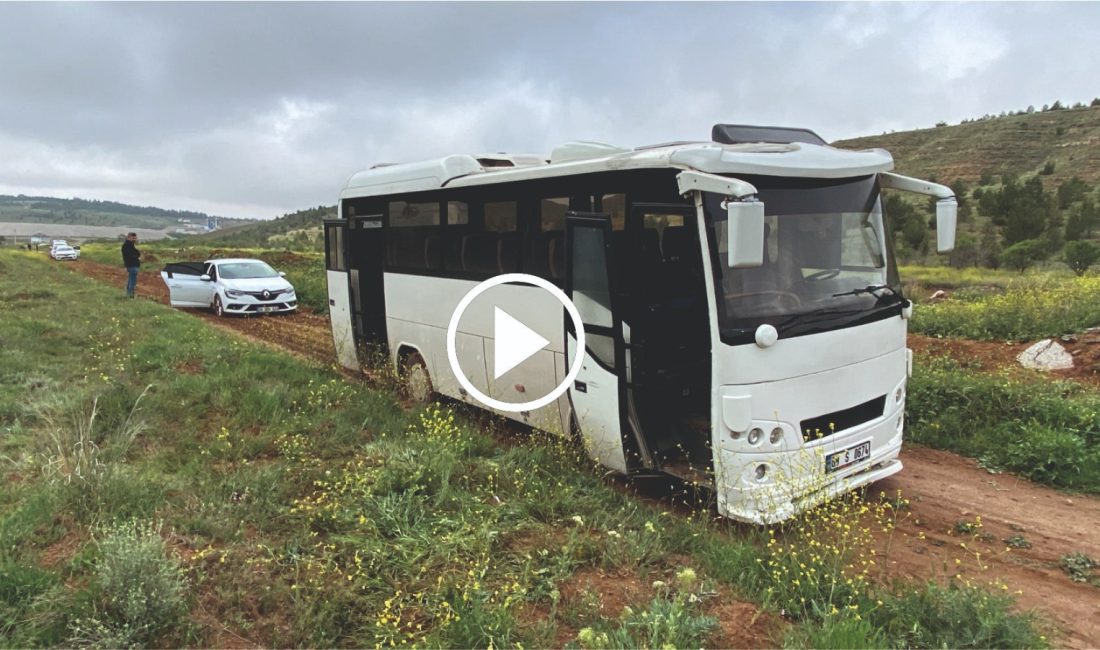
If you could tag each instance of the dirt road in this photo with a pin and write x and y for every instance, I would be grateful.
(937, 536)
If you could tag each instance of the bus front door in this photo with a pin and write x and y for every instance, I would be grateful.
(366, 254)
(598, 394)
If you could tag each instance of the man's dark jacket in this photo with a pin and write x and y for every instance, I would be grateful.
(131, 256)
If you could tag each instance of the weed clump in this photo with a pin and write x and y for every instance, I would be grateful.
(1079, 567)
(672, 620)
(141, 590)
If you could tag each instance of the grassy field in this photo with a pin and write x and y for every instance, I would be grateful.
(170, 484)
(1002, 306)
(1047, 431)
(305, 270)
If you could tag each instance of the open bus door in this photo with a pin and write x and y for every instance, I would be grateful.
(339, 294)
(599, 393)
(366, 258)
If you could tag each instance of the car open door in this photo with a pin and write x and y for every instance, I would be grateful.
(186, 288)
(598, 394)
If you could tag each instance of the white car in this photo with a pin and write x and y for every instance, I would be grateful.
(64, 252)
(230, 286)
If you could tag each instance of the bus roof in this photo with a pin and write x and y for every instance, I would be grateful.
(796, 159)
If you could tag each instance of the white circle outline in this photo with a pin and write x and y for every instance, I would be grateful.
(452, 332)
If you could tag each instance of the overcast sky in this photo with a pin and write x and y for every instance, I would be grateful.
(255, 110)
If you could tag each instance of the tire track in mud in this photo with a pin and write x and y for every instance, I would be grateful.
(943, 489)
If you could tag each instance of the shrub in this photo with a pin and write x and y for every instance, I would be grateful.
(1024, 254)
(141, 589)
(1080, 255)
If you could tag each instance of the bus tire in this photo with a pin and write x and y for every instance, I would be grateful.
(416, 381)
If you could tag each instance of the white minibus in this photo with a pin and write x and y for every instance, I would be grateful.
(744, 322)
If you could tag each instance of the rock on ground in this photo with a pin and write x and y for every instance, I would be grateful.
(1047, 354)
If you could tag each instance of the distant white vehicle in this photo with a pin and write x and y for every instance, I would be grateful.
(230, 286)
(64, 252)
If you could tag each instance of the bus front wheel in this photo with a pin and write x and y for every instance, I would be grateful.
(417, 381)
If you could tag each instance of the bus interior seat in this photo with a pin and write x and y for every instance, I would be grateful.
(480, 253)
(432, 250)
(675, 243)
(555, 254)
(508, 252)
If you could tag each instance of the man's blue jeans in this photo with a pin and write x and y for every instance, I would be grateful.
(131, 280)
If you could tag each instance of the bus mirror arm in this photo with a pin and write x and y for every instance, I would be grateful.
(947, 206)
(745, 214)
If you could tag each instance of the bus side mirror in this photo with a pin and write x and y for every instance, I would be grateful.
(947, 216)
(745, 233)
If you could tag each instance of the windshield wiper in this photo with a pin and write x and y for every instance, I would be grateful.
(871, 289)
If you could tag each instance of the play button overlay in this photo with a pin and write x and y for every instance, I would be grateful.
(514, 342)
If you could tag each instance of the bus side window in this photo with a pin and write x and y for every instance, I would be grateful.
(412, 241)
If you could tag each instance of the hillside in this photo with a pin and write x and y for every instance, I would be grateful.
(1017, 145)
(85, 212)
(299, 230)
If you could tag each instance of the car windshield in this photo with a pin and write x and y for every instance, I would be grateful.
(827, 259)
(245, 270)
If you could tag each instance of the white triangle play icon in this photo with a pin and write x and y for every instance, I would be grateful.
(513, 342)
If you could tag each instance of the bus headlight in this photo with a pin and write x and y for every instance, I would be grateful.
(755, 435)
(761, 472)
(776, 436)
(898, 394)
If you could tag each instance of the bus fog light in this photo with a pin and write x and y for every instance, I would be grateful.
(898, 394)
(761, 472)
(755, 435)
(736, 435)
(901, 422)
(776, 436)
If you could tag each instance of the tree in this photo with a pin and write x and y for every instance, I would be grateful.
(1024, 254)
(1071, 192)
(990, 247)
(965, 253)
(1023, 208)
(1080, 255)
(1095, 101)
(1075, 225)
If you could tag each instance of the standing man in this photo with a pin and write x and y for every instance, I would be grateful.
(131, 259)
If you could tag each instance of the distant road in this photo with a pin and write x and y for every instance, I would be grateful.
(76, 232)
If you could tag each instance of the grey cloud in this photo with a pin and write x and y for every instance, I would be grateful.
(265, 108)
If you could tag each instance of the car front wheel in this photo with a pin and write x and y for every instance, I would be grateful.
(219, 309)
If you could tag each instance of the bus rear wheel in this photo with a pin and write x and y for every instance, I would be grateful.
(417, 383)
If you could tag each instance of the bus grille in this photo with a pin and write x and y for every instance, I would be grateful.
(826, 425)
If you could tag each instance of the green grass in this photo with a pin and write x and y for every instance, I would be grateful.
(276, 501)
(993, 306)
(305, 270)
(1047, 431)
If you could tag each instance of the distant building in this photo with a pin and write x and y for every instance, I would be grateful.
(39, 238)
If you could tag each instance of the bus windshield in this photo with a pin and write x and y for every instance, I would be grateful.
(828, 262)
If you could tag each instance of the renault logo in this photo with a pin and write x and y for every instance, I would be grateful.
(267, 294)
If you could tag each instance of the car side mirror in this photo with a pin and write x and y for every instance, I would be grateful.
(282, 274)
(205, 278)
(745, 234)
(947, 217)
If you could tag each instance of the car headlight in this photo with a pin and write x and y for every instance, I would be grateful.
(289, 292)
(233, 294)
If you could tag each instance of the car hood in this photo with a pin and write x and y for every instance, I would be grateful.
(257, 284)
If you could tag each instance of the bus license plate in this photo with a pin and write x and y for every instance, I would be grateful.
(849, 456)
